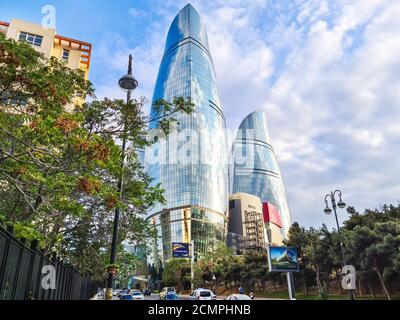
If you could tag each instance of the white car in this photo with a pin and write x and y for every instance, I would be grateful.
(166, 291)
(238, 297)
(203, 294)
(137, 295)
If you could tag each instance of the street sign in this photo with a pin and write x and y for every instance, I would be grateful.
(283, 259)
(180, 250)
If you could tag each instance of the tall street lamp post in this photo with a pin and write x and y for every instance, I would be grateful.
(328, 210)
(214, 279)
(127, 83)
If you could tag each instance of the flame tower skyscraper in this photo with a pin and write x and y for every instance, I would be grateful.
(256, 169)
(192, 164)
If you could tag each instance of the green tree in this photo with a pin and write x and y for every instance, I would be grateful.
(127, 264)
(234, 271)
(255, 270)
(297, 237)
(377, 249)
(215, 262)
(60, 159)
(177, 273)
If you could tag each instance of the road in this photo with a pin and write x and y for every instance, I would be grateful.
(155, 297)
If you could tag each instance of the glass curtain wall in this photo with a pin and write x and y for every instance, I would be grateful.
(191, 164)
(256, 169)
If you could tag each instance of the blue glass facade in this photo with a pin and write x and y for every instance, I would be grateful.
(191, 164)
(256, 169)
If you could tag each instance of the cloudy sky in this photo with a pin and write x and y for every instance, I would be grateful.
(326, 72)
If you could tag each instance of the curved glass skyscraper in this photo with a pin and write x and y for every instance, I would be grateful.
(191, 164)
(256, 169)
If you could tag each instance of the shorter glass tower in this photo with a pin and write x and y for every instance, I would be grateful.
(256, 169)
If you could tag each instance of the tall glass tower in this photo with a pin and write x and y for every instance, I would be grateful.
(191, 164)
(256, 169)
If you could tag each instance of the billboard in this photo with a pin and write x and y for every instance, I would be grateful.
(180, 250)
(283, 259)
(271, 214)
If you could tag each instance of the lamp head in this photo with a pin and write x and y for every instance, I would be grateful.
(128, 83)
(328, 210)
(341, 204)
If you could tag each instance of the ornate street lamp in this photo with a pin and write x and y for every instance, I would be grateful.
(341, 204)
(127, 83)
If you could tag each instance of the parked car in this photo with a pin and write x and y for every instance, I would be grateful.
(238, 297)
(137, 295)
(122, 292)
(166, 291)
(172, 296)
(146, 292)
(127, 295)
(203, 294)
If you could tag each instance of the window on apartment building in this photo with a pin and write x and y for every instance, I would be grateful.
(32, 39)
(65, 54)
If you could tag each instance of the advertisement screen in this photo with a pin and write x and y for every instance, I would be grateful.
(283, 259)
(180, 250)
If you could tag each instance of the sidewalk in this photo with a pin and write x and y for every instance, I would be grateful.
(96, 297)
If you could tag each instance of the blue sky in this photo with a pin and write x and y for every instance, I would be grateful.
(326, 73)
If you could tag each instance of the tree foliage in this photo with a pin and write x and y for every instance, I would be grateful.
(371, 244)
(177, 273)
(60, 158)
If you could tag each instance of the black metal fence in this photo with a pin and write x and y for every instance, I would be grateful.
(21, 273)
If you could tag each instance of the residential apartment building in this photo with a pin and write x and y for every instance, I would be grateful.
(75, 53)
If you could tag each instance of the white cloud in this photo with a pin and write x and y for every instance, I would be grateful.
(137, 13)
(347, 101)
(373, 139)
(329, 109)
(326, 72)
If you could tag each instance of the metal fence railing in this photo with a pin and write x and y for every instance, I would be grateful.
(21, 273)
